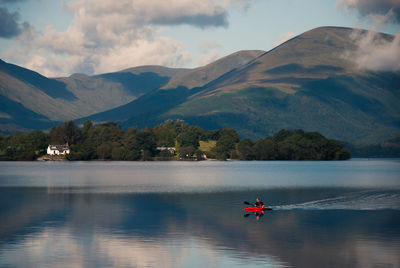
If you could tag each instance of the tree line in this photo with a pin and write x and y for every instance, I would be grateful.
(108, 141)
(386, 149)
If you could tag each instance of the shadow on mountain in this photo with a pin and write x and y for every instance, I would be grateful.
(137, 84)
(51, 87)
(18, 116)
(144, 110)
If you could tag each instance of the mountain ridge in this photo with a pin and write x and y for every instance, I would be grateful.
(67, 98)
(307, 82)
(200, 76)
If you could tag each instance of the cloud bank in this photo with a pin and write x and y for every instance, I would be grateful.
(373, 7)
(9, 26)
(108, 35)
(10, 1)
(210, 52)
(9, 21)
(375, 51)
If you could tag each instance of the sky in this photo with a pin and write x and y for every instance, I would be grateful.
(62, 37)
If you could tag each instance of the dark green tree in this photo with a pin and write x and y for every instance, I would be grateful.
(146, 142)
(72, 133)
(87, 126)
(189, 137)
(224, 147)
(265, 149)
(130, 145)
(245, 150)
(58, 135)
(166, 134)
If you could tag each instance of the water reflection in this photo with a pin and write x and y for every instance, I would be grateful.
(134, 177)
(257, 214)
(326, 214)
(192, 229)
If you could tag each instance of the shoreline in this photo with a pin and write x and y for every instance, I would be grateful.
(42, 159)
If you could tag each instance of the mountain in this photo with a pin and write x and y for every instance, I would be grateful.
(32, 101)
(200, 76)
(308, 82)
(180, 86)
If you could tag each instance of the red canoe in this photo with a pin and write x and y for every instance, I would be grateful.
(255, 209)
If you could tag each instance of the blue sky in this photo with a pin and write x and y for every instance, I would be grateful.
(58, 38)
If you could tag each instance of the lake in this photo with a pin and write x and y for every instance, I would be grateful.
(191, 214)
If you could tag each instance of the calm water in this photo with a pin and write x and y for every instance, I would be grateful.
(188, 214)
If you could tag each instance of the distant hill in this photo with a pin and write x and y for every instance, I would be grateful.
(181, 85)
(304, 83)
(52, 100)
(201, 76)
(307, 83)
(32, 101)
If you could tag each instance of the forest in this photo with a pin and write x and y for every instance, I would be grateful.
(171, 140)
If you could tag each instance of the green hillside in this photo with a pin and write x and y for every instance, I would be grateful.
(20, 119)
(181, 86)
(32, 101)
(334, 106)
(306, 83)
(201, 76)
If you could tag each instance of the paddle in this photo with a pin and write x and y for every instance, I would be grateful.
(247, 203)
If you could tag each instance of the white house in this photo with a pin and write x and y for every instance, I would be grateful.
(170, 149)
(58, 149)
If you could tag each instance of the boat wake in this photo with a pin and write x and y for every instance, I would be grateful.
(366, 200)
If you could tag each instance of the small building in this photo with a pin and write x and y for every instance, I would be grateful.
(170, 149)
(58, 149)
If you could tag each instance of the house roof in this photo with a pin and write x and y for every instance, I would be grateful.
(59, 147)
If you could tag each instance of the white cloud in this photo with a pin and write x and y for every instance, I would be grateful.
(204, 47)
(108, 35)
(283, 38)
(163, 52)
(62, 248)
(209, 52)
(208, 58)
(376, 53)
(198, 13)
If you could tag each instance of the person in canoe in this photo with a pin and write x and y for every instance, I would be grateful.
(259, 203)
